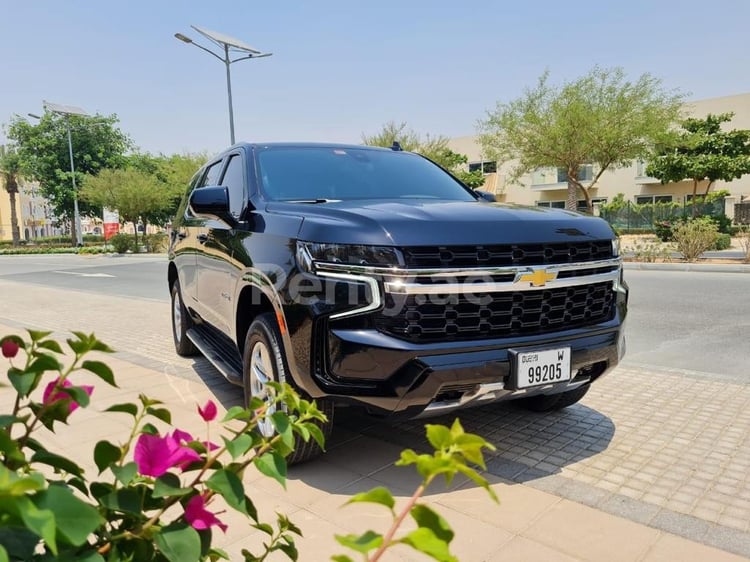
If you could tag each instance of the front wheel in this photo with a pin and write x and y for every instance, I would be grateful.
(553, 402)
(263, 361)
(181, 323)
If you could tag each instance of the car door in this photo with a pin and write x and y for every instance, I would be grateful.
(184, 243)
(209, 269)
(218, 276)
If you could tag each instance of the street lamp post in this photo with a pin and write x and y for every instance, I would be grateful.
(229, 47)
(66, 111)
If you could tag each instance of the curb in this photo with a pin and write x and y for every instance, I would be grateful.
(692, 267)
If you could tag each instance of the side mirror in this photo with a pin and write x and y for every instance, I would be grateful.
(212, 203)
(485, 195)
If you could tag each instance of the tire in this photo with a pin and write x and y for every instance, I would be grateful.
(181, 323)
(553, 402)
(264, 360)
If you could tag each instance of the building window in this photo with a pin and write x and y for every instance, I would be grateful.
(649, 199)
(585, 173)
(487, 166)
(581, 206)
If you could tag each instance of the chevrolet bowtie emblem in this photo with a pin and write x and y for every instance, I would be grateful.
(538, 277)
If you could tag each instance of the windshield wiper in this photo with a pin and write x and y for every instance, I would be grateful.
(311, 201)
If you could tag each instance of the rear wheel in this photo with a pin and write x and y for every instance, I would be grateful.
(263, 362)
(181, 323)
(552, 402)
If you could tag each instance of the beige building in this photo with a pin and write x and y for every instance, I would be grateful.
(547, 187)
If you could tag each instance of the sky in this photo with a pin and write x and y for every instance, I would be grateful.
(343, 68)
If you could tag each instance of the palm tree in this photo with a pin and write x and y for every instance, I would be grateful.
(9, 171)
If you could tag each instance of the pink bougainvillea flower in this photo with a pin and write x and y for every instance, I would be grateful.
(10, 348)
(184, 437)
(208, 412)
(199, 517)
(154, 454)
(51, 396)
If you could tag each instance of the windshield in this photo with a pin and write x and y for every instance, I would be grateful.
(330, 173)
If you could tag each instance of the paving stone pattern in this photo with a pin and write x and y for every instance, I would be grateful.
(664, 448)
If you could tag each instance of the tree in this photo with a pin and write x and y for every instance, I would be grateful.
(600, 119)
(174, 172)
(10, 170)
(433, 147)
(702, 151)
(132, 192)
(44, 155)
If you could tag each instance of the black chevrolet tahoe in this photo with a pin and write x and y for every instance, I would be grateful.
(373, 277)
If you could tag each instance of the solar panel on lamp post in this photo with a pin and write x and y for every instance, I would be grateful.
(229, 47)
(66, 111)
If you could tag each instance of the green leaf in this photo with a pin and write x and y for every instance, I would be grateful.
(341, 558)
(280, 421)
(160, 413)
(426, 517)
(101, 370)
(287, 546)
(150, 429)
(230, 487)
(439, 436)
(146, 401)
(39, 521)
(77, 394)
(3, 554)
(75, 519)
(125, 473)
(57, 461)
(14, 485)
(105, 454)
(22, 381)
(125, 408)
(217, 554)
(363, 543)
(236, 413)
(424, 540)
(479, 480)
(179, 543)
(19, 542)
(272, 464)
(42, 363)
(51, 345)
(316, 433)
(379, 495)
(36, 335)
(8, 420)
(126, 500)
(168, 485)
(9, 447)
(239, 445)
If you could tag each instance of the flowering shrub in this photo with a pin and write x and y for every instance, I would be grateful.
(152, 497)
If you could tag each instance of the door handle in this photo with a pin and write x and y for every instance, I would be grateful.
(202, 238)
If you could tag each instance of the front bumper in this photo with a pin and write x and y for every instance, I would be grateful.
(393, 377)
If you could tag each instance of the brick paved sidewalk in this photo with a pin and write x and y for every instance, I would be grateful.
(530, 524)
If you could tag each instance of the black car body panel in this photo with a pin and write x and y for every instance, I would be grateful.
(545, 279)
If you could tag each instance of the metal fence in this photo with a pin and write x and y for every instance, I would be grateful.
(632, 216)
(742, 213)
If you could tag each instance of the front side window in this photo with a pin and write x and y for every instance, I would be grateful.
(212, 175)
(234, 179)
(331, 173)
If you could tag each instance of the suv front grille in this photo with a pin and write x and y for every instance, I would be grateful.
(507, 254)
(434, 318)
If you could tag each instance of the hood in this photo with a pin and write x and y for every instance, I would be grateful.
(417, 222)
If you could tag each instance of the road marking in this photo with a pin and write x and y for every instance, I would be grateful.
(84, 274)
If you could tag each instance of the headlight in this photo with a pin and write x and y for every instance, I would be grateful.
(354, 254)
(615, 247)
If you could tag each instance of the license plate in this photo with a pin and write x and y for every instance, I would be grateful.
(537, 368)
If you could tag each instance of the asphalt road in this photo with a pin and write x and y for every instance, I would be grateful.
(677, 320)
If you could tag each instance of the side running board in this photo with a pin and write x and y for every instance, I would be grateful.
(226, 361)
